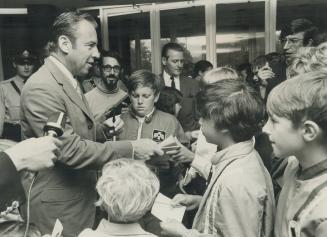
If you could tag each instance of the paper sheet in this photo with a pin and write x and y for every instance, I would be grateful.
(163, 210)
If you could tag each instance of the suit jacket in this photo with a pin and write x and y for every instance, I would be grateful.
(67, 191)
(188, 115)
(11, 188)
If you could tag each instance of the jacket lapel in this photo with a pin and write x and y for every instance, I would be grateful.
(68, 88)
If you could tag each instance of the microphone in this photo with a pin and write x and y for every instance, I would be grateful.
(55, 125)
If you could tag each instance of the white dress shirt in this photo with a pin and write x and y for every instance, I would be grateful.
(167, 80)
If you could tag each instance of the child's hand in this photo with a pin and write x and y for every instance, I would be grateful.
(190, 201)
(182, 155)
(172, 228)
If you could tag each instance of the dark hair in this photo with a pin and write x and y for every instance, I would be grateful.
(301, 25)
(66, 24)
(17, 229)
(201, 66)
(111, 54)
(232, 105)
(144, 78)
(168, 98)
(171, 46)
(259, 61)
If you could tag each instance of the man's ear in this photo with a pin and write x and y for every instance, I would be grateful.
(310, 131)
(64, 44)
(164, 60)
(14, 65)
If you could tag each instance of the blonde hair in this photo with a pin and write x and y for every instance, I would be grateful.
(302, 61)
(303, 97)
(218, 74)
(127, 190)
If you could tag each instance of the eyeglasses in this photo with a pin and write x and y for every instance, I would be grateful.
(109, 68)
(291, 40)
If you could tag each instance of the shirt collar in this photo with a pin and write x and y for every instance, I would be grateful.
(167, 76)
(120, 229)
(240, 149)
(147, 118)
(313, 171)
(65, 71)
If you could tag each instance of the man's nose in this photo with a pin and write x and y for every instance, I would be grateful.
(286, 45)
(96, 53)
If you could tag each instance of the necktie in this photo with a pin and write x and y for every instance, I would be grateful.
(173, 82)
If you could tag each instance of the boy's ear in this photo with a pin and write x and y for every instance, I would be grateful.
(311, 131)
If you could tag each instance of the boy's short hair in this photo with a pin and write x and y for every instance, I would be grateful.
(233, 105)
(300, 98)
(168, 98)
(144, 78)
(127, 190)
(219, 73)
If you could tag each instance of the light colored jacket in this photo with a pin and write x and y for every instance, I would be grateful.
(67, 190)
(298, 192)
(108, 229)
(239, 200)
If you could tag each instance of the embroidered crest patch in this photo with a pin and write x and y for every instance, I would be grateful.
(158, 135)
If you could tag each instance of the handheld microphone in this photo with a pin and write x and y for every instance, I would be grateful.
(55, 128)
(55, 125)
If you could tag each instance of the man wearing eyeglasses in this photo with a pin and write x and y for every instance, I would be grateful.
(300, 33)
(107, 94)
(24, 63)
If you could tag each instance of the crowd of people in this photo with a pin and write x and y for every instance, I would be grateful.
(249, 150)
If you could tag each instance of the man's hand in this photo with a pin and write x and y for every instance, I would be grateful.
(190, 201)
(173, 228)
(117, 123)
(145, 148)
(35, 154)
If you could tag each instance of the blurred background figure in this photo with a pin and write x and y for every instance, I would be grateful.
(23, 62)
(170, 101)
(200, 69)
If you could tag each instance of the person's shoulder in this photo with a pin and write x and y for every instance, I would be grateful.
(167, 117)
(91, 233)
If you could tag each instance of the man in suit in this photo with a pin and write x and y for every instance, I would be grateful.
(67, 191)
(173, 62)
(33, 155)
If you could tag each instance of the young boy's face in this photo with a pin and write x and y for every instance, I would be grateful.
(210, 132)
(143, 99)
(285, 139)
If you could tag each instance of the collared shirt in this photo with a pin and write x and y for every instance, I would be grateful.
(67, 73)
(313, 171)
(109, 229)
(167, 80)
(299, 189)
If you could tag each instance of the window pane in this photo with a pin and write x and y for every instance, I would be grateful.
(240, 32)
(130, 36)
(185, 26)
